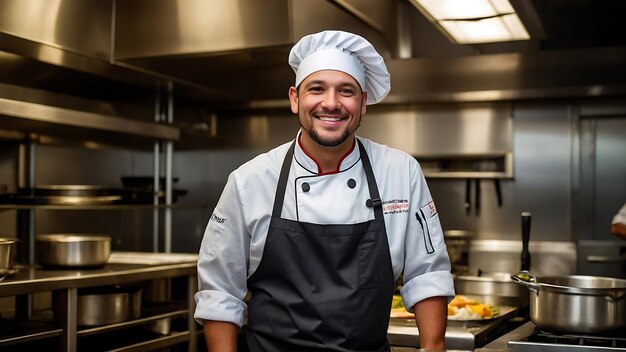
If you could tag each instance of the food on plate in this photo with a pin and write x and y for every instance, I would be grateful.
(398, 310)
(460, 308)
(466, 308)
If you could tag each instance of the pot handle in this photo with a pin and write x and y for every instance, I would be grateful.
(527, 279)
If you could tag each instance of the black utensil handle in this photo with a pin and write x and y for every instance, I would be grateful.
(526, 216)
(496, 182)
(468, 195)
(477, 197)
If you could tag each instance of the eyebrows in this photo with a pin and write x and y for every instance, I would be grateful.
(325, 83)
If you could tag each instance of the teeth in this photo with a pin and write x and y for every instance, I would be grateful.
(330, 119)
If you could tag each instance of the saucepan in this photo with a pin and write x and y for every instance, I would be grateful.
(107, 305)
(576, 303)
(73, 250)
(7, 255)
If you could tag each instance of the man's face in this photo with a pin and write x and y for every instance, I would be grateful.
(329, 105)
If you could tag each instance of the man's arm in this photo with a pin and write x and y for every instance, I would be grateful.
(431, 316)
(220, 336)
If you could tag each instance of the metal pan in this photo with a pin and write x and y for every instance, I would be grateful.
(576, 304)
(73, 250)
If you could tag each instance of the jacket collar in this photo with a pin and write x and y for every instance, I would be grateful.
(310, 165)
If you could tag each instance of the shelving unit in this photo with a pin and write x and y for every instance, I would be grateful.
(28, 123)
(65, 283)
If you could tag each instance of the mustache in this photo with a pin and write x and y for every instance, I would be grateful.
(334, 112)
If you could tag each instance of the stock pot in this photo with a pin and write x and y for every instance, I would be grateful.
(576, 304)
(73, 250)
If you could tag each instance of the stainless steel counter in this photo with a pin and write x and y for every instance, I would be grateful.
(143, 267)
(460, 335)
(30, 280)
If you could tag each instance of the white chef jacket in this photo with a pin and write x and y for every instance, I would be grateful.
(234, 238)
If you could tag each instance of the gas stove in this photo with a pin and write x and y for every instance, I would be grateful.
(528, 337)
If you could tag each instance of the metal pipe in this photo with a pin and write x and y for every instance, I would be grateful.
(169, 151)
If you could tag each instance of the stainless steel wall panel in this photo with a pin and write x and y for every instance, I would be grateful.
(453, 130)
(542, 157)
(74, 25)
(146, 28)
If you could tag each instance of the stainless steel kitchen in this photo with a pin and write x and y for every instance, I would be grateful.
(121, 121)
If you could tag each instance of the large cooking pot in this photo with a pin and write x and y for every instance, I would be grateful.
(576, 304)
(107, 305)
(73, 250)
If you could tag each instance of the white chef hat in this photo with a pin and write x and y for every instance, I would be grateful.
(346, 52)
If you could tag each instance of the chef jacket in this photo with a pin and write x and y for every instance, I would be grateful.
(233, 242)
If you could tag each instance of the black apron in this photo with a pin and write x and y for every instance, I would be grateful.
(322, 287)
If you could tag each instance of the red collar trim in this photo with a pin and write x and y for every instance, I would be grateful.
(319, 169)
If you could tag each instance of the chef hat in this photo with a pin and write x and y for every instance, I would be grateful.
(346, 52)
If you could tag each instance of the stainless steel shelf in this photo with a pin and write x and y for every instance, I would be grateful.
(29, 117)
(158, 343)
(26, 331)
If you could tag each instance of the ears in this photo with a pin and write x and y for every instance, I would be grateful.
(293, 100)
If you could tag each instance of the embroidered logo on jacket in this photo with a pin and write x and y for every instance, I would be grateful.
(217, 219)
(395, 206)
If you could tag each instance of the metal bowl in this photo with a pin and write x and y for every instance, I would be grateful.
(73, 250)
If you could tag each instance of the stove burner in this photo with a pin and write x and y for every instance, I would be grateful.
(577, 339)
(536, 340)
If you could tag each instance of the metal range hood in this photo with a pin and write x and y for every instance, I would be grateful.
(225, 55)
(202, 46)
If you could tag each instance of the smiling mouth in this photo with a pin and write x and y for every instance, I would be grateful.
(330, 118)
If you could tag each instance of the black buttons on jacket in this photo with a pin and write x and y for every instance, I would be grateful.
(351, 183)
(306, 187)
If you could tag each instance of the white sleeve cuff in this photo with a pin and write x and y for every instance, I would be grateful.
(432, 284)
(218, 306)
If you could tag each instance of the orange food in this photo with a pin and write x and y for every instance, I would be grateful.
(461, 301)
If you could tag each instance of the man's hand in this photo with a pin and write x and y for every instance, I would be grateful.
(431, 316)
(220, 336)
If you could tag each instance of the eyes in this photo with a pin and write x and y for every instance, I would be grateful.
(343, 91)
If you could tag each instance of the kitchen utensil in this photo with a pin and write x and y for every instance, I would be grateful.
(71, 195)
(525, 259)
(576, 304)
(468, 196)
(477, 197)
(73, 250)
(496, 183)
(108, 305)
(7, 255)
(144, 182)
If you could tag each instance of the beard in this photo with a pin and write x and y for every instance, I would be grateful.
(327, 142)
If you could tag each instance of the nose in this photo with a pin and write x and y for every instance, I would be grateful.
(330, 100)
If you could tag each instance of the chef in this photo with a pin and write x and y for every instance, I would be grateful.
(316, 232)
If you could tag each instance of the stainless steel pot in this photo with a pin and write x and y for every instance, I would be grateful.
(73, 250)
(108, 305)
(493, 288)
(457, 244)
(576, 304)
(7, 253)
